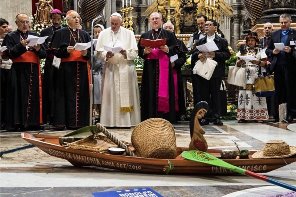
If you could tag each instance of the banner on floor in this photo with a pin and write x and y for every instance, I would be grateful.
(136, 192)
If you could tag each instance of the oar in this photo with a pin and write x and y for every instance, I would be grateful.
(16, 149)
(203, 157)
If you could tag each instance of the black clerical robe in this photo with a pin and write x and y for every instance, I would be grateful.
(49, 81)
(181, 51)
(72, 96)
(150, 78)
(24, 92)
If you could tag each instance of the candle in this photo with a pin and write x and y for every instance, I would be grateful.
(126, 3)
(130, 3)
(122, 3)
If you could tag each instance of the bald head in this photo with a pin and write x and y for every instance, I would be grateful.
(23, 22)
(268, 28)
(73, 19)
(169, 26)
(155, 20)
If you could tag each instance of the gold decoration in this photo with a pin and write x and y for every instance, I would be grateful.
(127, 18)
(43, 11)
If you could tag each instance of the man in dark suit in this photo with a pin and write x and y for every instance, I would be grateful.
(283, 66)
(263, 43)
(209, 89)
(200, 20)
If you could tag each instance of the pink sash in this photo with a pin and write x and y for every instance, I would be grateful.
(163, 86)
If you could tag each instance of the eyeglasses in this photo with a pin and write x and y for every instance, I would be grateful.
(267, 27)
(24, 22)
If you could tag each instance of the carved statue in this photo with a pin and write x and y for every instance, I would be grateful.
(198, 141)
(161, 8)
(43, 11)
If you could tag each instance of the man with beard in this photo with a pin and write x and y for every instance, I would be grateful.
(157, 88)
(49, 70)
(24, 98)
(72, 96)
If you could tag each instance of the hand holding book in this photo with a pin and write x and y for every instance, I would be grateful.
(152, 43)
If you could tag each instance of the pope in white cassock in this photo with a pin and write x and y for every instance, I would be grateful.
(117, 46)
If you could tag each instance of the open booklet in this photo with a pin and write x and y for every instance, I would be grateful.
(153, 43)
(82, 46)
(115, 49)
(34, 40)
(207, 47)
(280, 46)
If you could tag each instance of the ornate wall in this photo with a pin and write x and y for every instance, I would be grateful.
(12, 8)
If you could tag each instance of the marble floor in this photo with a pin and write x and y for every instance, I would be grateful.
(31, 172)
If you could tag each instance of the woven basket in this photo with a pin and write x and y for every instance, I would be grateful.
(155, 138)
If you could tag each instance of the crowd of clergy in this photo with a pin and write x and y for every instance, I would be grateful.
(78, 86)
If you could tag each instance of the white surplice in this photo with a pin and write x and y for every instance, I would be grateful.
(120, 96)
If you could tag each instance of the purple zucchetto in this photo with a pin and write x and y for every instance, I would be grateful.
(56, 11)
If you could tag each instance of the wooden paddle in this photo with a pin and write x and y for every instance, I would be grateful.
(203, 157)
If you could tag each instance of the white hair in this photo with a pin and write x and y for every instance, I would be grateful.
(168, 24)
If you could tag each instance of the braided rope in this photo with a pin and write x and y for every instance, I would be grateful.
(102, 129)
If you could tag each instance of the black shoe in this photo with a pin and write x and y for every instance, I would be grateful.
(203, 122)
(218, 122)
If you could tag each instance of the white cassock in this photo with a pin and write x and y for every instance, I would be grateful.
(120, 96)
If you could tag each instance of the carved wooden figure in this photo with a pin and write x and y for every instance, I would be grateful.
(198, 141)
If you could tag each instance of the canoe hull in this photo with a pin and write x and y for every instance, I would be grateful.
(80, 158)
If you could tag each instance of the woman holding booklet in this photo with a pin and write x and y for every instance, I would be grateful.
(250, 59)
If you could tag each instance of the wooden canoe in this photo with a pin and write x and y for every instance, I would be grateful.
(50, 144)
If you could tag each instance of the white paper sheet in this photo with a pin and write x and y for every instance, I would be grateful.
(113, 49)
(3, 48)
(34, 40)
(208, 47)
(174, 58)
(293, 42)
(82, 46)
(280, 46)
(56, 62)
(247, 58)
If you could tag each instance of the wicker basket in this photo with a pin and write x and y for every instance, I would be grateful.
(154, 138)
